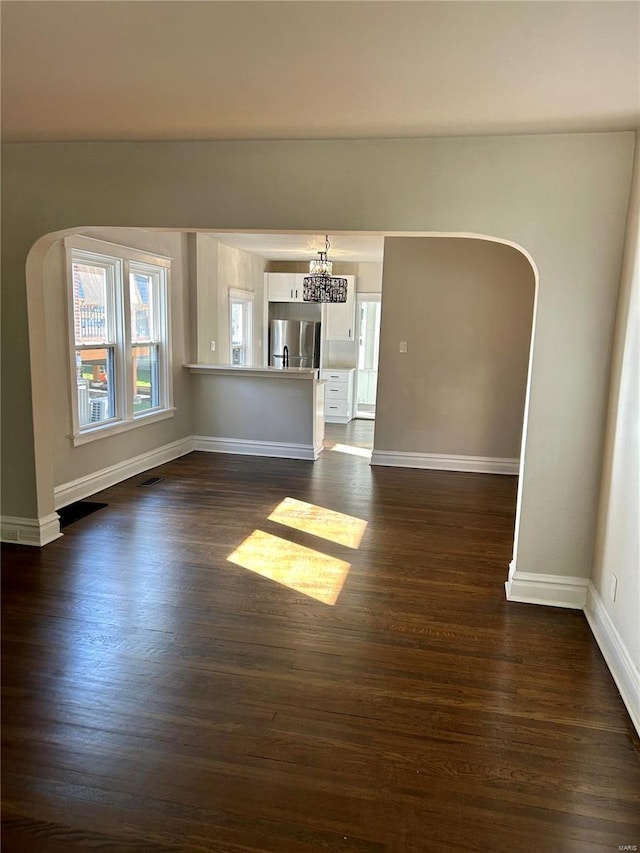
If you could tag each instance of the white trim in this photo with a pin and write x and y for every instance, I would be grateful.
(624, 671)
(444, 462)
(122, 426)
(104, 247)
(550, 590)
(30, 531)
(76, 490)
(241, 446)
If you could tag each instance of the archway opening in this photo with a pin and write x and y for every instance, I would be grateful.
(45, 268)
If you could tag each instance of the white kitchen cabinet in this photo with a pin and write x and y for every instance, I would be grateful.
(340, 317)
(338, 395)
(284, 286)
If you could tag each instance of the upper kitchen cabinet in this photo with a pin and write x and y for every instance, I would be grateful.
(340, 317)
(284, 286)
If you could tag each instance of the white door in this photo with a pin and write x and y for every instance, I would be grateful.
(368, 320)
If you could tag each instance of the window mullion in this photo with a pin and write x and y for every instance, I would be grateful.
(127, 354)
(166, 350)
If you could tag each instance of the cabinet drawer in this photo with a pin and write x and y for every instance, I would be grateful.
(336, 391)
(334, 376)
(335, 408)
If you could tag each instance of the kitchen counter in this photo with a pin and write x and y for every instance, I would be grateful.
(258, 411)
(265, 372)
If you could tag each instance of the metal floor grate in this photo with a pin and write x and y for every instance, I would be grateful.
(151, 481)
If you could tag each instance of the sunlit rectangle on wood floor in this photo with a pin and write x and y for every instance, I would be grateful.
(353, 450)
(307, 571)
(320, 521)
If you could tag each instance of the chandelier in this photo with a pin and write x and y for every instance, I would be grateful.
(320, 285)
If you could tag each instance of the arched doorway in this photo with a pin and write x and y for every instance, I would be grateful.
(42, 399)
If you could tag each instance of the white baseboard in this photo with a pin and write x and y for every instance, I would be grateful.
(443, 462)
(30, 531)
(624, 671)
(240, 446)
(76, 490)
(552, 590)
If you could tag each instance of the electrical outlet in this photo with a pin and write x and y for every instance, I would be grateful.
(403, 346)
(614, 587)
(213, 346)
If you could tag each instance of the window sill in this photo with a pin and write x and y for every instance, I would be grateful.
(97, 432)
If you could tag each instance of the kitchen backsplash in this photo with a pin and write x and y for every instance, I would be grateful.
(295, 311)
(339, 354)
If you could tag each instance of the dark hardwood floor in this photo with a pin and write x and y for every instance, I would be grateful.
(357, 433)
(159, 697)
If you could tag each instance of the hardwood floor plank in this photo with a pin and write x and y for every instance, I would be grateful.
(157, 697)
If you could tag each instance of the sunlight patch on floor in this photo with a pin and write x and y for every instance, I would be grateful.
(326, 523)
(302, 569)
(353, 450)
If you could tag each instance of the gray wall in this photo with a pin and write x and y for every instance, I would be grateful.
(561, 197)
(243, 271)
(218, 268)
(254, 408)
(465, 309)
(207, 319)
(618, 540)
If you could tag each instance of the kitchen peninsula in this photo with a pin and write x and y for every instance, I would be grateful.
(258, 411)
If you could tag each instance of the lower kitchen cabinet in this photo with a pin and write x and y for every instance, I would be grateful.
(338, 395)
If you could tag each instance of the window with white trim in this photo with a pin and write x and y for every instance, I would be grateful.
(119, 340)
(240, 326)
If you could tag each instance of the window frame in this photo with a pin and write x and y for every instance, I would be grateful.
(246, 298)
(123, 261)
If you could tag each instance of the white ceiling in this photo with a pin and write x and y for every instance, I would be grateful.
(260, 70)
(352, 248)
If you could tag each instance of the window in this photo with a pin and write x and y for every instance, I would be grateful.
(240, 326)
(119, 341)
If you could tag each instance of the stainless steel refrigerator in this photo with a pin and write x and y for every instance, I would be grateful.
(294, 343)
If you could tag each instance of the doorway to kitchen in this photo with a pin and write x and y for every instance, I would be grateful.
(368, 315)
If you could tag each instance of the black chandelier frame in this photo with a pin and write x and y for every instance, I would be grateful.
(324, 287)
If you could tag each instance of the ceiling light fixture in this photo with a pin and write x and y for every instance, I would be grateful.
(320, 285)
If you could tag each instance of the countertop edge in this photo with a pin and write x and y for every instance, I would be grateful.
(308, 373)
